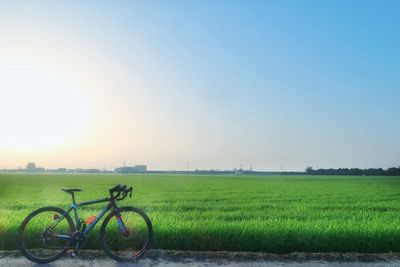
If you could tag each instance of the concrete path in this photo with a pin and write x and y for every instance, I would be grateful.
(224, 259)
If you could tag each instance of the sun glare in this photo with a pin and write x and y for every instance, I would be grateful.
(39, 110)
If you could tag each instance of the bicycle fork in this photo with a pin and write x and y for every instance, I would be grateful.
(121, 224)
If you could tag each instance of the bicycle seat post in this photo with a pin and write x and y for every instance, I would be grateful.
(72, 192)
(73, 198)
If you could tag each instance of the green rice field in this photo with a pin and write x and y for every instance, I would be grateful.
(233, 213)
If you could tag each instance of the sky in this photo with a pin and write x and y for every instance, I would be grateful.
(219, 84)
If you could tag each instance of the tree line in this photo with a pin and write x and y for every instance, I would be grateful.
(355, 171)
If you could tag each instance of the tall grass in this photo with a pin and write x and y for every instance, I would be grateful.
(236, 213)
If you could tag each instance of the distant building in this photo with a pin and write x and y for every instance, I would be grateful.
(238, 171)
(31, 167)
(134, 169)
(141, 168)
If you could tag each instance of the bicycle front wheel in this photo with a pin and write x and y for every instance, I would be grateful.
(126, 234)
(45, 235)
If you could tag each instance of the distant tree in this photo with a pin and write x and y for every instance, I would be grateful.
(393, 171)
(354, 171)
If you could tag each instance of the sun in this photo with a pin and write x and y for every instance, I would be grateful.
(39, 109)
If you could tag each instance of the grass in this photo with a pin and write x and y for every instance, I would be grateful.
(235, 213)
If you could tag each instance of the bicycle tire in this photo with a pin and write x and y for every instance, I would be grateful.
(147, 244)
(20, 239)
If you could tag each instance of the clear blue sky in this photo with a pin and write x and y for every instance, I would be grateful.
(274, 84)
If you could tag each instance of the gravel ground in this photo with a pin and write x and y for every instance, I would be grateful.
(196, 259)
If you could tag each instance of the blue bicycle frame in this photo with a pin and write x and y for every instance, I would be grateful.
(111, 205)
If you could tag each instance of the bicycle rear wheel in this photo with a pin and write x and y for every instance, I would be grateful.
(130, 244)
(38, 234)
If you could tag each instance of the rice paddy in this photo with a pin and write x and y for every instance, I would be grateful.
(233, 213)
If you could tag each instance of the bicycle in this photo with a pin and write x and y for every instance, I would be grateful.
(48, 233)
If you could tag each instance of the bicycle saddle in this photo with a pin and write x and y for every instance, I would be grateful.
(71, 190)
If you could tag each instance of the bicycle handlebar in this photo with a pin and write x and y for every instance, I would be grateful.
(120, 189)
